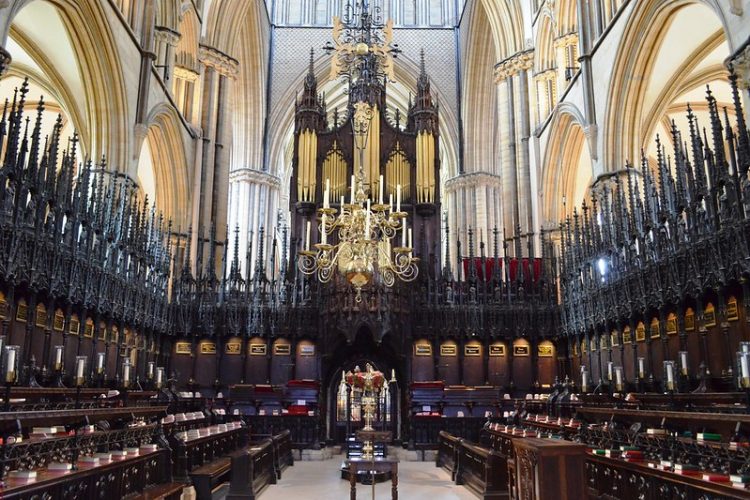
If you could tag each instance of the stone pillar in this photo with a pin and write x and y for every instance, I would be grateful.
(248, 187)
(218, 71)
(512, 73)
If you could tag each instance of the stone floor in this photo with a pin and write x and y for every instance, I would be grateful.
(321, 480)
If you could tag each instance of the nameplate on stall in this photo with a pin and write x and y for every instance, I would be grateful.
(282, 350)
(208, 348)
(182, 348)
(733, 313)
(472, 350)
(520, 350)
(232, 348)
(423, 349)
(447, 350)
(497, 350)
(546, 351)
(258, 349)
(307, 350)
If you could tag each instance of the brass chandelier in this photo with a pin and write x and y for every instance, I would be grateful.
(362, 232)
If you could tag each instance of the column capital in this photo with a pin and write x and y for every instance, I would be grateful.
(473, 179)
(253, 176)
(514, 64)
(185, 74)
(740, 61)
(164, 34)
(226, 65)
(565, 40)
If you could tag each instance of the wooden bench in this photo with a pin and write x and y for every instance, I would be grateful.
(207, 477)
(282, 447)
(166, 491)
(447, 455)
(253, 469)
(481, 470)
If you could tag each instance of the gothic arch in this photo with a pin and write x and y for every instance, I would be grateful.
(103, 112)
(479, 98)
(281, 118)
(506, 22)
(566, 15)
(568, 168)
(164, 142)
(643, 85)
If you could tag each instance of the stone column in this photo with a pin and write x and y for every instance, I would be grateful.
(165, 43)
(218, 70)
(517, 199)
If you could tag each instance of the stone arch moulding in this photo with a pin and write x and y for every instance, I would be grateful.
(646, 27)
(163, 131)
(561, 175)
(101, 72)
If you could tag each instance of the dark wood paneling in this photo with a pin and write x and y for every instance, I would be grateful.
(522, 376)
(628, 362)
(474, 365)
(716, 357)
(448, 364)
(257, 365)
(205, 366)
(281, 364)
(231, 364)
(547, 366)
(498, 366)
(657, 354)
(307, 360)
(422, 367)
(182, 364)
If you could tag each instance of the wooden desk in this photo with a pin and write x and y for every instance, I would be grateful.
(549, 468)
(374, 464)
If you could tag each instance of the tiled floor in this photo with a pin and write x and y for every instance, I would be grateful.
(322, 481)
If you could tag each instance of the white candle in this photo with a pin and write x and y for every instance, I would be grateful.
(390, 202)
(307, 237)
(670, 376)
(159, 375)
(684, 362)
(398, 198)
(410, 241)
(58, 356)
(641, 368)
(393, 371)
(609, 370)
(11, 362)
(100, 361)
(618, 377)
(367, 222)
(126, 374)
(323, 236)
(352, 202)
(150, 370)
(745, 369)
(79, 367)
(342, 203)
(380, 191)
(584, 380)
(403, 234)
(326, 194)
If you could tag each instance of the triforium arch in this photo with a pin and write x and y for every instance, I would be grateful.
(567, 170)
(668, 52)
(96, 65)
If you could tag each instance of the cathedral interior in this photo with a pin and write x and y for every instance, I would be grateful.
(502, 245)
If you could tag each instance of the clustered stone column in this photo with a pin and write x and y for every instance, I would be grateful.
(212, 153)
(512, 76)
(254, 197)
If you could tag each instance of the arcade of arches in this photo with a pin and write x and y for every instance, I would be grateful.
(561, 271)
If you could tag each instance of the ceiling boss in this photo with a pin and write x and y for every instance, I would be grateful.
(366, 239)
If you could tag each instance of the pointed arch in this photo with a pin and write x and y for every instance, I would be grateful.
(567, 171)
